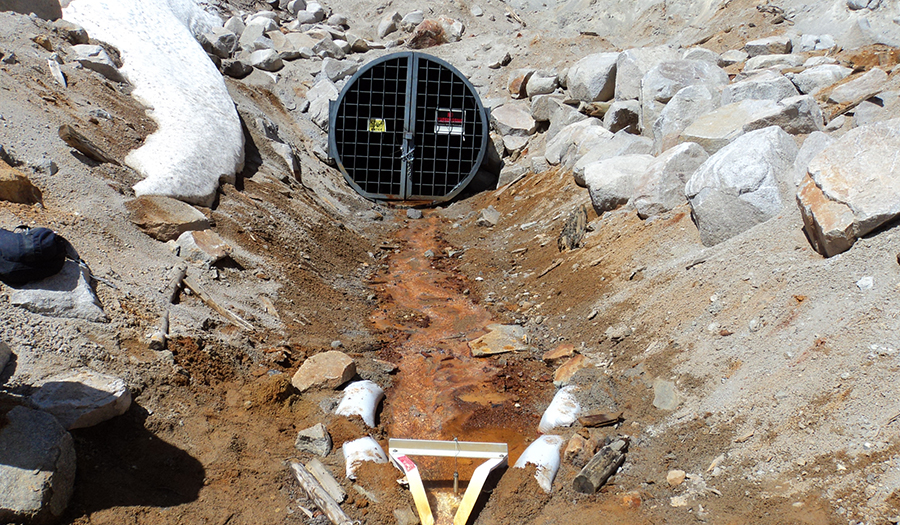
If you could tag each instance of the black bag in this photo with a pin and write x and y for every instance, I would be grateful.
(30, 254)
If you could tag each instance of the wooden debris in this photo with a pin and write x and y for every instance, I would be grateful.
(171, 290)
(573, 230)
(550, 268)
(227, 314)
(324, 477)
(321, 498)
(601, 467)
(159, 337)
(600, 419)
(81, 143)
(695, 262)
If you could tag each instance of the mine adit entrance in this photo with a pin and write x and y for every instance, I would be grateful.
(408, 126)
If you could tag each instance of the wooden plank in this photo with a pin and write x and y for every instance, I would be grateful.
(324, 477)
(81, 143)
(227, 314)
(318, 494)
(601, 467)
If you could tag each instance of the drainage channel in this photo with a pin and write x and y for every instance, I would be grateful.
(440, 391)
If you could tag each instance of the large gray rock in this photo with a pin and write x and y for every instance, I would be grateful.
(852, 187)
(621, 143)
(688, 104)
(412, 19)
(319, 97)
(562, 115)
(82, 398)
(741, 185)
(542, 107)
(797, 115)
(593, 78)
(388, 24)
(66, 294)
(220, 42)
(633, 64)
(513, 119)
(266, 59)
(541, 83)
(718, 128)
(46, 9)
(37, 467)
(700, 53)
(612, 182)
(329, 369)
(96, 59)
(731, 57)
(235, 25)
(72, 32)
(623, 115)
(164, 218)
(661, 187)
(337, 70)
(255, 30)
(765, 85)
(773, 45)
(861, 88)
(810, 81)
(885, 106)
(558, 147)
(328, 48)
(666, 79)
(203, 247)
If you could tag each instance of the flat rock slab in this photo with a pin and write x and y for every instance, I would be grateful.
(37, 467)
(82, 398)
(66, 294)
(502, 338)
(329, 369)
(852, 187)
(665, 397)
(859, 88)
(165, 218)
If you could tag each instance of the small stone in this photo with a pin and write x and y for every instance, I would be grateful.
(618, 332)
(866, 283)
(329, 369)
(675, 477)
(413, 214)
(489, 217)
(563, 351)
(96, 59)
(664, 395)
(314, 440)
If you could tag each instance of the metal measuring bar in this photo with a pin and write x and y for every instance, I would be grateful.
(400, 450)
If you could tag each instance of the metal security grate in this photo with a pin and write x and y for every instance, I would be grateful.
(408, 126)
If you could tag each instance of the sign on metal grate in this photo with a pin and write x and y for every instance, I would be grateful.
(408, 126)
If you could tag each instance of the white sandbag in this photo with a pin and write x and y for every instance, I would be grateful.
(562, 412)
(543, 454)
(361, 399)
(362, 449)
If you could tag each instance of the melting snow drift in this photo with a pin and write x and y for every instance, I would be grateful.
(199, 140)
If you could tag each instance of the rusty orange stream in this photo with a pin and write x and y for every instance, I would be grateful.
(441, 391)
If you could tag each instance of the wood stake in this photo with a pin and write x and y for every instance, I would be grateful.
(318, 494)
(550, 268)
(84, 145)
(227, 314)
(324, 477)
(601, 467)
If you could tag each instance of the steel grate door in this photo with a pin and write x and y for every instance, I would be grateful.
(408, 126)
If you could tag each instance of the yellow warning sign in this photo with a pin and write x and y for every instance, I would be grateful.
(377, 125)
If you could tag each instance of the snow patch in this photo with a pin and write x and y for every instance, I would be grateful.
(199, 140)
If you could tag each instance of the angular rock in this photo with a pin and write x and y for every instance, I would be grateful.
(315, 440)
(563, 375)
(593, 78)
(765, 85)
(773, 45)
(810, 42)
(202, 247)
(558, 147)
(814, 144)
(496, 57)
(317, 10)
(542, 106)
(852, 187)
(433, 32)
(37, 467)
(220, 42)
(96, 59)
(611, 182)
(562, 115)
(82, 398)
(67, 294)
(329, 369)
(797, 115)
(319, 97)
(717, 129)
(576, 452)
(514, 144)
(236, 68)
(680, 112)
(661, 187)
(773, 62)
(337, 20)
(700, 53)
(860, 88)
(666, 79)
(72, 32)
(336, 70)
(731, 57)
(488, 217)
(412, 19)
(742, 184)
(16, 187)
(327, 48)
(235, 25)
(665, 397)
(517, 82)
(812, 80)
(561, 352)
(541, 83)
(164, 218)
(623, 115)
(388, 24)
(513, 119)
(500, 339)
(633, 64)
(266, 59)
(884, 106)
(604, 147)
